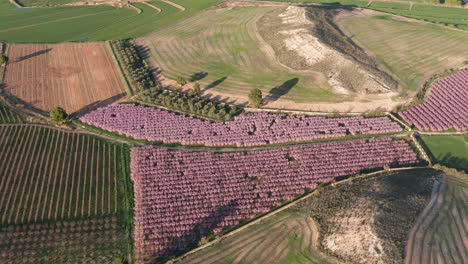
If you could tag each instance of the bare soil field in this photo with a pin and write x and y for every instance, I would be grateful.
(71, 75)
(367, 220)
(440, 234)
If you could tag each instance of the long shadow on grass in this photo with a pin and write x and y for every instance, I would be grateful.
(34, 54)
(201, 229)
(198, 76)
(281, 90)
(455, 162)
(215, 83)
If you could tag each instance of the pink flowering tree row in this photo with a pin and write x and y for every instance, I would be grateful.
(253, 129)
(445, 108)
(183, 196)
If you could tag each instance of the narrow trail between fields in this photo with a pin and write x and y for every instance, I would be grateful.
(174, 5)
(152, 6)
(13, 2)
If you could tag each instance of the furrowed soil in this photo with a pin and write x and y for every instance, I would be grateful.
(73, 76)
(62, 197)
(367, 220)
(288, 237)
(440, 234)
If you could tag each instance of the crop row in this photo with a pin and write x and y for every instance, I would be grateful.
(182, 197)
(253, 129)
(48, 174)
(446, 106)
(9, 116)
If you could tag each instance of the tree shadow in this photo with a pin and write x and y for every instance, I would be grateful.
(197, 76)
(143, 51)
(97, 105)
(215, 83)
(34, 54)
(455, 162)
(203, 228)
(281, 90)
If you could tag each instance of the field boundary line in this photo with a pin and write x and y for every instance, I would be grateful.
(13, 2)
(283, 208)
(174, 5)
(399, 121)
(152, 6)
(120, 70)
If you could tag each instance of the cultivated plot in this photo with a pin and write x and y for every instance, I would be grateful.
(450, 151)
(62, 196)
(8, 115)
(73, 76)
(411, 50)
(439, 235)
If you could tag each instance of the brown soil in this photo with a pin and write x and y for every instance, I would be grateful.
(73, 76)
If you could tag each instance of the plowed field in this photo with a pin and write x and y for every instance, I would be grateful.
(72, 76)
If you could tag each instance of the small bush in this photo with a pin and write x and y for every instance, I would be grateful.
(256, 98)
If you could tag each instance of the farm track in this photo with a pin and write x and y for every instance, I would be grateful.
(38, 74)
(439, 234)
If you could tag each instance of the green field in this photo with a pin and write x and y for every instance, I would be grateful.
(60, 184)
(9, 116)
(229, 57)
(412, 52)
(90, 23)
(450, 151)
(45, 2)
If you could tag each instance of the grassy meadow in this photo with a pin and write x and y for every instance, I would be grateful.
(450, 151)
(90, 23)
(411, 51)
(228, 57)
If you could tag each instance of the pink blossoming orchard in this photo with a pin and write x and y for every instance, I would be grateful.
(252, 129)
(184, 196)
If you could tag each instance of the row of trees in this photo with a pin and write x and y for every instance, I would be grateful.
(190, 103)
(135, 70)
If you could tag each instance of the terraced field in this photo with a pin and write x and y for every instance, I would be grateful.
(85, 23)
(56, 186)
(222, 47)
(411, 51)
(288, 237)
(439, 235)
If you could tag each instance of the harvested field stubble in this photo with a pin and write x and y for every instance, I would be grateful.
(73, 76)
(367, 220)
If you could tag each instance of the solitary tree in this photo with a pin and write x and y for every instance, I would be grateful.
(256, 98)
(59, 116)
(3, 59)
(181, 80)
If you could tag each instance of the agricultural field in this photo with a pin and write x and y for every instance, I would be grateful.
(220, 190)
(91, 23)
(411, 51)
(439, 234)
(73, 76)
(63, 197)
(234, 55)
(450, 151)
(444, 108)
(9, 116)
(287, 237)
(365, 220)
